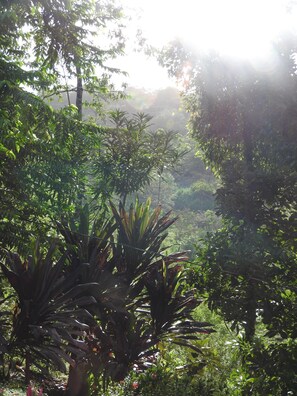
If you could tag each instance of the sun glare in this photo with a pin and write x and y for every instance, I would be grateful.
(234, 27)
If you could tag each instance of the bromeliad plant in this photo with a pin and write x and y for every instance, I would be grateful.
(105, 304)
(156, 281)
(49, 318)
(140, 237)
(155, 306)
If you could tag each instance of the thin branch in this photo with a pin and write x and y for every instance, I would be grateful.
(58, 93)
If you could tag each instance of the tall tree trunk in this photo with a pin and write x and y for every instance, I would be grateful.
(251, 308)
(79, 91)
(248, 152)
(247, 132)
(77, 381)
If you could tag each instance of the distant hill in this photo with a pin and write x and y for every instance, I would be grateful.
(164, 105)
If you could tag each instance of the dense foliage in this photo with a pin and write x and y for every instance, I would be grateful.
(95, 290)
(43, 153)
(101, 306)
(51, 161)
(91, 302)
(245, 122)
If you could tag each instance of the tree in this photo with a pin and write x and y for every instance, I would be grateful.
(132, 153)
(48, 157)
(42, 160)
(67, 40)
(43, 153)
(245, 120)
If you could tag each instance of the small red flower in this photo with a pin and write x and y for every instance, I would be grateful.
(135, 385)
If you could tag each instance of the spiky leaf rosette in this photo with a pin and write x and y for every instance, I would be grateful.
(50, 316)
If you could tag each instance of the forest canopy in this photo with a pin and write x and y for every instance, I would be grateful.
(244, 120)
(91, 282)
(82, 294)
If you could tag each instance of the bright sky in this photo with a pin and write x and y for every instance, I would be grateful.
(240, 28)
